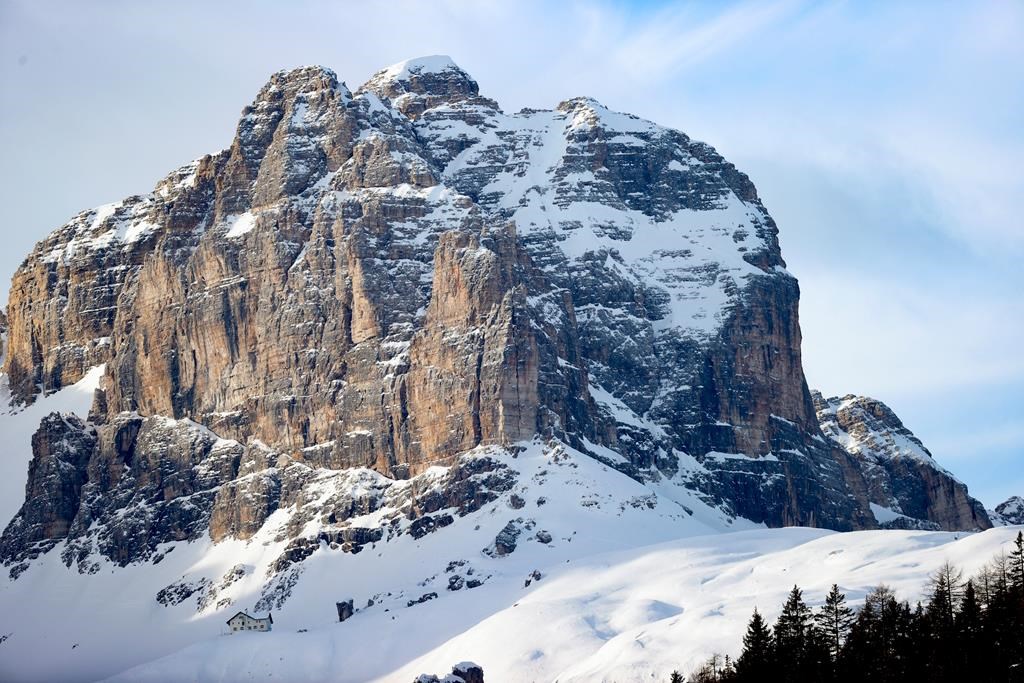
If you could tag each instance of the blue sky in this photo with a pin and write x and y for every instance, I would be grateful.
(885, 138)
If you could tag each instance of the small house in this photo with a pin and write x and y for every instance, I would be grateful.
(245, 622)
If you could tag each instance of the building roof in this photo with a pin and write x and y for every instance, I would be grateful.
(269, 617)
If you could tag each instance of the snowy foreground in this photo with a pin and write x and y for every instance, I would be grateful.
(632, 615)
(634, 584)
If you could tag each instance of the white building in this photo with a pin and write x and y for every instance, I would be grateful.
(244, 622)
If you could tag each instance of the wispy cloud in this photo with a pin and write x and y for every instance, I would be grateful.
(681, 37)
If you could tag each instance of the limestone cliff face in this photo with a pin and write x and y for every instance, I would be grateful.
(63, 299)
(388, 278)
(474, 364)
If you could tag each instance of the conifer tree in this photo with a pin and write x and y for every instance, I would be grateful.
(834, 620)
(675, 677)
(857, 649)
(756, 661)
(884, 627)
(791, 636)
(1000, 569)
(728, 672)
(969, 616)
(985, 585)
(917, 640)
(969, 631)
(1017, 563)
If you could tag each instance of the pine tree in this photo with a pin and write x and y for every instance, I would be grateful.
(728, 672)
(969, 631)
(969, 617)
(857, 660)
(883, 601)
(985, 585)
(834, 619)
(819, 664)
(917, 641)
(675, 677)
(756, 662)
(947, 591)
(1017, 563)
(791, 636)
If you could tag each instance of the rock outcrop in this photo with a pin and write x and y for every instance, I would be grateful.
(906, 487)
(61, 448)
(464, 672)
(1010, 511)
(369, 284)
(3, 339)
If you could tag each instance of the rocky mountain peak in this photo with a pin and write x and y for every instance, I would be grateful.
(900, 472)
(297, 129)
(402, 324)
(415, 85)
(1010, 511)
(301, 79)
(588, 112)
(868, 426)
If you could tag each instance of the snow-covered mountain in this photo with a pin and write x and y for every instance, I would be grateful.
(398, 346)
(906, 487)
(1009, 512)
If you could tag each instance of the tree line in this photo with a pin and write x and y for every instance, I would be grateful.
(967, 630)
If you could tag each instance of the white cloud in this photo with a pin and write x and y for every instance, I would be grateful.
(678, 38)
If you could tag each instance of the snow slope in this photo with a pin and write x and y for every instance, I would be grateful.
(627, 615)
(585, 507)
(633, 582)
(636, 579)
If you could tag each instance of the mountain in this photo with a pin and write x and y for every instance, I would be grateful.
(400, 334)
(906, 487)
(1009, 512)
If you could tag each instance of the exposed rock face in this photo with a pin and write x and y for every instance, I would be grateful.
(63, 299)
(141, 482)
(505, 541)
(365, 285)
(905, 484)
(122, 492)
(473, 366)
(1010, 511)
(464, 672)
(61, 449)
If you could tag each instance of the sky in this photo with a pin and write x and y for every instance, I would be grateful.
(885, 138)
